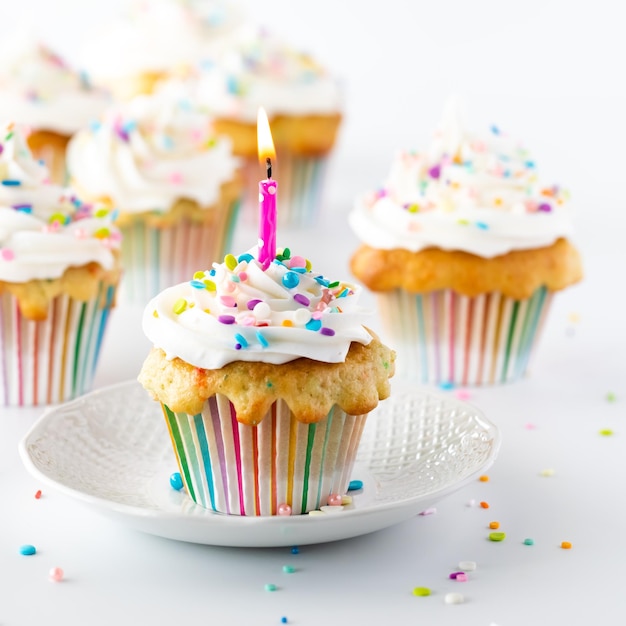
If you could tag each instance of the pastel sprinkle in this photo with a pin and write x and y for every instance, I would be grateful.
(454, 575)
(454, 598)
(180, 305)
(283, 620)
(462, 394)
(482, 225)
(230, 261)
(313, 324)
(7, 254)
(209, 285)
(38, 494)
(270, 587)
(467, 566)
(197, 284)
(547, 472)
(447, 385)
(498, 536)
(461, 577)
(226, 319)
(529, 542)
(328, 332)
(241, 340)
(421, 591)
(56, 574)
(484, 478)
(300, 298)
(610, 397)
(289, 569)
(28, 550)
(566, 545)
(176, 481)
(484, 505)
(355, 484)
(430, 511)
(261, 339)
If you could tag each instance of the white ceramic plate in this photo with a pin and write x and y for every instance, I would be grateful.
(110, 449)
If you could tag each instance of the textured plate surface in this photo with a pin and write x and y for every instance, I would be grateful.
(110, 449)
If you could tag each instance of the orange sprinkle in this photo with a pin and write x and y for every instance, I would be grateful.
(566, 545)
(38, 494)
(494, 525)
(484, 478)
(484, 505)
(287, 323)
(497, 201)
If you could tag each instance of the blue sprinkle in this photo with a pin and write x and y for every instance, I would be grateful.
(235, 279)
(28, 550)
(295, 550)
(291, 280)
(322, 281)
(129, 126)
(446, 385)
(283, 620)
(494, 129)
(313, 324)
(176, 481)
(232, 85)
(94, 126)
(482, 225)
(197, 284)
(300, 270)
(355, 484)
(245, 257)
(529, 164)
(212, 272)
(23, 208)
(344, 293)
(9, 182)
(241, 340)
(168, 142)
(262, 340)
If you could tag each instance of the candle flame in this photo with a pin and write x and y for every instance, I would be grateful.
(264, 137)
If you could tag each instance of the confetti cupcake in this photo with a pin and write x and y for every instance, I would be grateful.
(59, 268)
(175, 184)
(41, 92)
(465, 249)
(265, 377)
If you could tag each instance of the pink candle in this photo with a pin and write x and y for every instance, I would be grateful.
(267, 193)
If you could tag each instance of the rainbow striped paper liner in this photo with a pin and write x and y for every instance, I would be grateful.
(301, 182)
(238, 469)
(53, 360)
(445, 337)
(155, 258)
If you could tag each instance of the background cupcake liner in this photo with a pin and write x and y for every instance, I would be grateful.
(238, 469)
(300, 189)
(444, 337)
(53, 360)
(155, 258)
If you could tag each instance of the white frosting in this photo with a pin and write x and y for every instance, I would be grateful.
(475, 194)
(255, 69)
(38, 89)
(239, 312)
(44, 229)
(149, 153)
(158, 36)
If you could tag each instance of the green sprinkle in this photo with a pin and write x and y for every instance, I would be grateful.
(497, 536)
(180, 305)
(269, 384)
(529, 542)
(270, 587)
(421, 591)
(463, 222)
(286, 253)
(289, 569)
(230, 260)
(9, 135)
(610, 397)
(210, 285)
(606, 432)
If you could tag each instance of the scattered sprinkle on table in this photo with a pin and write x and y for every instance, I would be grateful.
(176, 481)
(270, 587)
(566, 545)
(529, 542)
(454, 598)
(421, 591)
(283, 620)
(484, 478)
(547, 472)
(499, 536)
(355, 484)
(461, 577)
(38, 494)
(430, 511)
(605, 432)
(56, 574)
(295, 550)
(467, 566)
(28, 550)
(494, 525)
(484, 505)
(289, 569)
(610, 397)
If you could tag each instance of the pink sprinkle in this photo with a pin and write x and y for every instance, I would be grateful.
(297, 261)
(243, 276)
(462, 394)
(455, 575)
(228, 301)
(316, 315)
(56, 574)
(430, 511)
(529, 426)
(284, 509)
(461, 577)
(249, 320)
(335, 499)
(176, 178)
(7, 254)
(38, 494)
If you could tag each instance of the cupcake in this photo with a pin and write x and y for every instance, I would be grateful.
(155, 41)
(465, 248)
(41, 92)
(303, 101)
(59, 267)
(175, 184)
(265, 377)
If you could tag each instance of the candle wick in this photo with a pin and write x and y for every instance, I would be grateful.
(268, 167)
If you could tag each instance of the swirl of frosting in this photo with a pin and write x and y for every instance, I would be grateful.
(238, 311)
(253, 68)
(151, 152)
(475, 194)
(38, 89)
(45, 229)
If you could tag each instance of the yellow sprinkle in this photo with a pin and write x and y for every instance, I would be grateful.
(308, 265)
(413, 208)
(345, 500)
(421, 591)
(57, 217)
(230, 260)
(102, 233)
(210, 285)
(606, 432)
(566, 545)
(497, 201)
(101, 212)
(198, 275)
(180, 305)
(207, 311)
(547, 472)
(154, 313)
(287, 323)
(484, 478)
(316, 512)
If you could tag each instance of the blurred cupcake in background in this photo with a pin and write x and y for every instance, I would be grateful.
(50, 99)
(253, 69)
(174, 182)
(465, 248)
(59, 268)
(154, 41)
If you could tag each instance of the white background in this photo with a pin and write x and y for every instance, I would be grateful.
(549, 72)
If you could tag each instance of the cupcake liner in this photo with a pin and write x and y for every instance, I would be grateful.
(53, 360)
(300, 189)
(239, 469)
(445, 337)
(155, 258)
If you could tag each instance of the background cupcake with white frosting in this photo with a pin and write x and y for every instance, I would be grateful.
(174, 183)
(47, 97)
(465, 247)
(59, 268)
(266, 375)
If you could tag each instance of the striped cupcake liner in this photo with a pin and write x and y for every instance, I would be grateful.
(155, 258)
(300, 190)
(445, 337)
(238, 469)
(53, 360)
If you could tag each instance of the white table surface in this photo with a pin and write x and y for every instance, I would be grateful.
(559, 91)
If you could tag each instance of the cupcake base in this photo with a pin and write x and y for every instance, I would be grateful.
(444, 337)
(54, 360)
(238, 469)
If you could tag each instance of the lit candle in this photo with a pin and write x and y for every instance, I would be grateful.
(267, 193)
